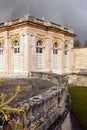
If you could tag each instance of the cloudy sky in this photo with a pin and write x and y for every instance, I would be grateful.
(69, 13)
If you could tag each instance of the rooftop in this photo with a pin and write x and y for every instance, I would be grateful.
(27, 18)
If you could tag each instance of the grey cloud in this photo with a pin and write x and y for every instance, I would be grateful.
(71, 14)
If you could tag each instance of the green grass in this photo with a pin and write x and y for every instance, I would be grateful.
(79, 104)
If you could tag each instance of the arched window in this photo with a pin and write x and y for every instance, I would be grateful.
(39, 52)
(65, 56)
(55, 55)
(16, 56)
(1, 56)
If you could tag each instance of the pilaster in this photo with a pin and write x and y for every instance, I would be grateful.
(22, 52)
(70, 60)
(26, 52)
(7, 60)
(48, 56)
(61, 57)
(32, 52)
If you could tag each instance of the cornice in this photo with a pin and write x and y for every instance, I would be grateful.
(36, 25)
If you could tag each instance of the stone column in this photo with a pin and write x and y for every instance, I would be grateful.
(7, 54)
(48, 56)
(73, 59)
(69, 54)
(61, 57)
(22, 52)
(33, 52)
(26, 52)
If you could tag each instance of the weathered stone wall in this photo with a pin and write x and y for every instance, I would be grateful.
(49, 109)
(43, 110)
(55, 78)
(77, 80)
(79, 59)
(67, 123)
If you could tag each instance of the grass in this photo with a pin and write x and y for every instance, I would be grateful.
(79, 104)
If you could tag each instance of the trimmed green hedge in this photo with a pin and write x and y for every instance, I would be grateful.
(79, 104)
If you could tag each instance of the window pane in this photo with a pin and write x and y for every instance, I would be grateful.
(18, 50)
(65, 52)
(40, 50)
(39, 47)
(39, 55)
(16, 47)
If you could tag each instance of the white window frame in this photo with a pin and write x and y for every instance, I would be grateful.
(65, 56)
(39, 54)
(16, 51)
(55, 56)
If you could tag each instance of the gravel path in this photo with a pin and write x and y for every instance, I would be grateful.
(30, 87)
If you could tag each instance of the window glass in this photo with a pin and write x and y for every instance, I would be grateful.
(39, 60)
(1, 48)
(55, 48)
(16, 47)
(39, 47)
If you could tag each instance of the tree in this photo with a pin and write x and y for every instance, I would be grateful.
(77, 43)
(85, 43)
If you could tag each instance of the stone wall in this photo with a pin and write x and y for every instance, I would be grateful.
(55, 78)
(77, 79)
(67, 123)
(80, 59)
(49, 109)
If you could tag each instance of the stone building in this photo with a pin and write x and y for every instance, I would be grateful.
(30, 44)
(80, 60)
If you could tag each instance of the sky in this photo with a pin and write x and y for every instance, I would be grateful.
(68, 13)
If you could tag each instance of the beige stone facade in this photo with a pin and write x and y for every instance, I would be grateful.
(29, 44)
(80, 60)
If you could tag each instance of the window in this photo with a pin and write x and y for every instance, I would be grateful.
(55, 55)
(16, 47)
(39, 47)
(39, 52)
(16, 56)
(65, 56)
(55, 48)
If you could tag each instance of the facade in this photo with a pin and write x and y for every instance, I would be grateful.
(80, 60)
(30, 44)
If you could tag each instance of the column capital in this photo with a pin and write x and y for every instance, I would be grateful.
(31, 34)
(22, 34)
(27, 33)
(7, 36)
(48, 37)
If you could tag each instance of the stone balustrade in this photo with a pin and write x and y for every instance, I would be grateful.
(55, 78)
(43, 110)
(49, 109)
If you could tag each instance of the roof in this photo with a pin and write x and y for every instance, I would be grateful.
(30, 19)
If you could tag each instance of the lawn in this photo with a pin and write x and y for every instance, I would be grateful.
(79, 104)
